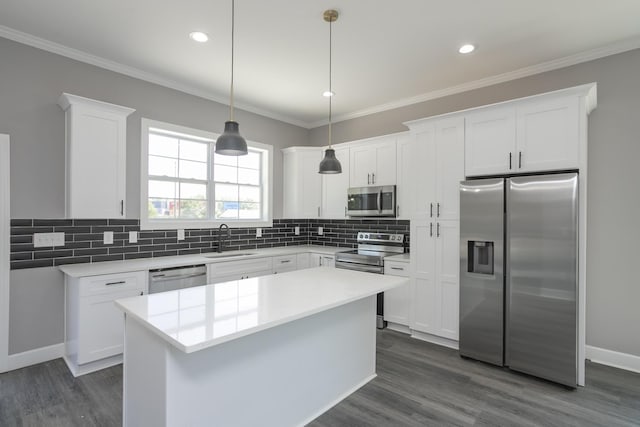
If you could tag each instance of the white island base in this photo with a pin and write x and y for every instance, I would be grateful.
(282, 375)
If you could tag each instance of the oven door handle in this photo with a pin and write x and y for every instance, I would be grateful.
(380, 201)
(359, 267)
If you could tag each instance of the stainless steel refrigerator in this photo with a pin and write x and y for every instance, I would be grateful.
(519, 273)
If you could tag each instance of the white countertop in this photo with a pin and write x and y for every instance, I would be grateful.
(200, 317)
(109, 267)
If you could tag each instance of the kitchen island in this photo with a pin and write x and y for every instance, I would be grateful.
(276, 350)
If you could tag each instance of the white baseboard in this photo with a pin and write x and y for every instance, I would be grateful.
(87, 368)
(445, 342)
(399, 328)
(616, 359)
(35, 356)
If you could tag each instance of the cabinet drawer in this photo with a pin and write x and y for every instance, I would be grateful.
(284, 263)
(240, 266)
(113, 283)
(394, 268)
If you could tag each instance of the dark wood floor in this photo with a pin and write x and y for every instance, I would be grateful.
(418, 384)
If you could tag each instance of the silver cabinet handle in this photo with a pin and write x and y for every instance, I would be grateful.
(120, 282)
(519, 159)
(373, 178)
(141, 293)
(397, 210)
(368, 178)
(430, 229)
(345, 211)
(121, 207)
(430, 210)
(438, 210)
(510, 155)
(318, 211)
(397, 268)
(438, 232)
(284, 261)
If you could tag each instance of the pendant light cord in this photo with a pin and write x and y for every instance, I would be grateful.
(233, 20)
(330, 88)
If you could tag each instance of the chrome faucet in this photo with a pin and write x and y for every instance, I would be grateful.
(220, 239)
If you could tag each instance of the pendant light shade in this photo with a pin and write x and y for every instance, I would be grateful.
(231, 143)
(330, 164)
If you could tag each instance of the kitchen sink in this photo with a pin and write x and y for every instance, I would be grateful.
(223, 255)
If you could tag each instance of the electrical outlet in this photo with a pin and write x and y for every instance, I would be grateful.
(108, 237)
(320, 231)
(180, 234)
(296, 230)
(133, 237)
(258, 232)
(41, 240)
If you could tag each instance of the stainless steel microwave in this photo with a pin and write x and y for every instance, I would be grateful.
(372, 201)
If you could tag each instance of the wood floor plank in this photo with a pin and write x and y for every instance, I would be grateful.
(418, 384)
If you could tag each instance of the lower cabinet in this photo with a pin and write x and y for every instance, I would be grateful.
(435, 264)
(322, 260)
(237, 270)
(397, 301)
(285, 263)
(94, 327)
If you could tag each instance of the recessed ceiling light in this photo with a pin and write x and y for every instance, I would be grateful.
(199, 36)
(328, 93)
(467, 48)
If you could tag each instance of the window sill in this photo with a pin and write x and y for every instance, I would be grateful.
(149, 224)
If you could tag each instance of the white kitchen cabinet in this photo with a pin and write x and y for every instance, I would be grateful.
(322, 260)
(397, 300)
(93, 325)
(303, 260)
(284, 263)
(240, 269)
(301, 182)
(373, 162)
(334, 188)
(535, 134)
(96, 144)
(435, 263)
(432, 168)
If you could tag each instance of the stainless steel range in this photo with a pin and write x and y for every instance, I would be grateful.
(369, 257)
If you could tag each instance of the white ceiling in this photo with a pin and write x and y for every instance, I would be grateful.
(381, 57)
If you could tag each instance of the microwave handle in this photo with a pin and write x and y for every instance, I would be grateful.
(380, 201)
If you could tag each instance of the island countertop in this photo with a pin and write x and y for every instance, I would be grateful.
(196, 318)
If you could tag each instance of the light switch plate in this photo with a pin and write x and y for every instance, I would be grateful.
(258, 232)
(133, 237)
(108, 237)
(320, 231)
(296, 230)
(41, 240)
(180, 234)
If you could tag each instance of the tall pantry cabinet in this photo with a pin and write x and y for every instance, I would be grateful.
(433, 164)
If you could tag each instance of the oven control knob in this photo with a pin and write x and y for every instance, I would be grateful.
(366, 236)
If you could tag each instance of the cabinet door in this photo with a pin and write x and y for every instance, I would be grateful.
(548, 135)
(424, 177)
(449, 141)
(322, 260)
(101, 328)
(334, 188)
(424, 302)
(447, 269)
(284, 263)
(396, 301)
(301, 183)
(406, 178)
(490, 141)
(362, 163)
(303, 261)
(384, 172)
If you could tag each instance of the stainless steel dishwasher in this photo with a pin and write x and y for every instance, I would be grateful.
(169, 279)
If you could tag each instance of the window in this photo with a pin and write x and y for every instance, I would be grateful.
(184, 184)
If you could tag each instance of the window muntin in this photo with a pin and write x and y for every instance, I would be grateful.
(188, 185)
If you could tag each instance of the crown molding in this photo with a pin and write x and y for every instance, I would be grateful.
(578, 58)
(78, 55)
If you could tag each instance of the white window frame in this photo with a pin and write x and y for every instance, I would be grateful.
(147, 223)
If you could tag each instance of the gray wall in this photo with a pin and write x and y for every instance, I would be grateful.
(613, 283)
(31, 80)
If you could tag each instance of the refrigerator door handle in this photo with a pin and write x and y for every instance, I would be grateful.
(380, 201)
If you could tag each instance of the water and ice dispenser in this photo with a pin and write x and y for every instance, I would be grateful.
(480, 257)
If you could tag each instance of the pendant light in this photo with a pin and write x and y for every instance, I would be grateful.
(231, 143)
(330, 164)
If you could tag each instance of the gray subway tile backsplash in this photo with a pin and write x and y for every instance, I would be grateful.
(84, 239)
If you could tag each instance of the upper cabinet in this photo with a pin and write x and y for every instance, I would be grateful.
(373, 162)
(334, 188)
(302, 182)
(539, 133)
(96, 134)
